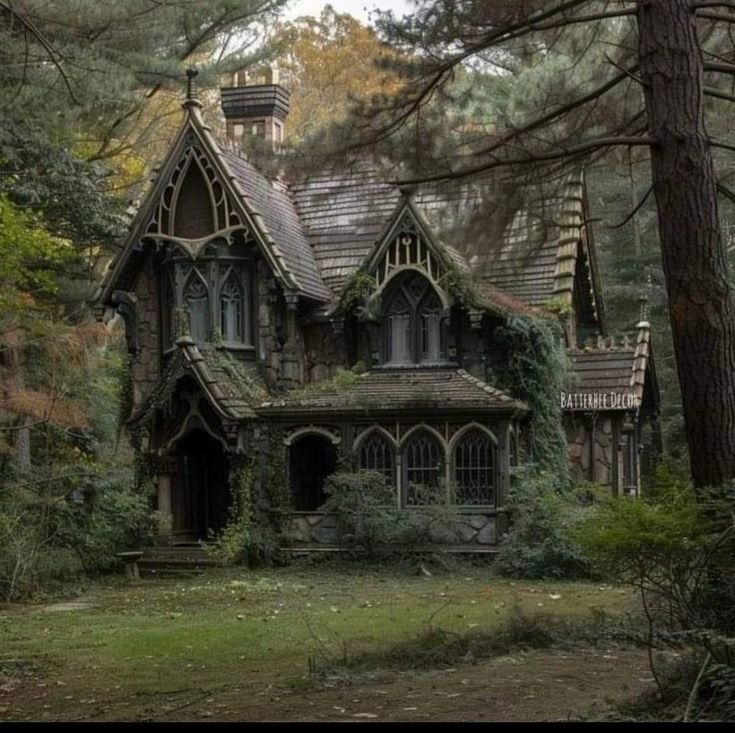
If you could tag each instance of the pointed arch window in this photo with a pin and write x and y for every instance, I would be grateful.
(232, 307)
(376, 454)
(196, 299)
(423, 467)
(474, 469)
(414, 322)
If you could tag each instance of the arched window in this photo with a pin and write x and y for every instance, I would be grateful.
(376, 454)
(196, 299)
(474, 469)
(232, 306)
(423, 467)
(194, 215)
(413, 322)
(311, 460)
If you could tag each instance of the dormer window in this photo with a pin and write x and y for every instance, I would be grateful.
(414, 322)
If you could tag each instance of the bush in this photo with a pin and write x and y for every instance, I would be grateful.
(370, 522)
(542, 516)
(47, 536)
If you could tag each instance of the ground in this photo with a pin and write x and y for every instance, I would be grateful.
(293, 644)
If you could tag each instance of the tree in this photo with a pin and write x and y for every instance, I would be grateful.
(96, 78)
(633, 76)
(318, 59)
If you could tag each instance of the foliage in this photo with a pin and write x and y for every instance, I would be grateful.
(543, 514)
(532, 365)
(49, 531)
(357, 293)
(243, 540)
(318, 58)
(370, 523)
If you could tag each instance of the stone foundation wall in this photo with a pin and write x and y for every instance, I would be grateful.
(317, 528)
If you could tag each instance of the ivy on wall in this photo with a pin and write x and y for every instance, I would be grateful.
(534, 369)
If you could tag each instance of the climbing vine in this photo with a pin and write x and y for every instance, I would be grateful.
(234, 542)
(533, 368)
(358, 293)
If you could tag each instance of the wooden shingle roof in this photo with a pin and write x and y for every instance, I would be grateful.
(389, 390)
(513, 240)
(610, 375)
(272, 202)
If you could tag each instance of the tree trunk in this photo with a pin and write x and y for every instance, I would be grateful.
(701, 303)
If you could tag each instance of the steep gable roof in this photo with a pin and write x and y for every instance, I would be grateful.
(521, 242)
(262, 205)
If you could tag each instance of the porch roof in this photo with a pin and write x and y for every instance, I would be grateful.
(386, 390)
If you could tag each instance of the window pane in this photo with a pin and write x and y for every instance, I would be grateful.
(376, 454)
(430, 337)
(231, 306)
(423, 460)
(196, 299)
(400, 339)
(474, 465)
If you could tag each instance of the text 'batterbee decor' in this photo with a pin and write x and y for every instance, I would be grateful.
(599, 401)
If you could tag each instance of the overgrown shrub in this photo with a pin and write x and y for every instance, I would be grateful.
(242, 540)
(50, 533)
(370, 522)
(542, 513)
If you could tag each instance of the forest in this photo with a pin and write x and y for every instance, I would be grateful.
(515, 94)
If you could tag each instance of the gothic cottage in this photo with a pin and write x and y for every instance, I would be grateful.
(295, 326)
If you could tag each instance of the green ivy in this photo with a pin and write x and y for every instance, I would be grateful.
(535, 365)
(356, 293)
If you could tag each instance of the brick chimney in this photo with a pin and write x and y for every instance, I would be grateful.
(256, 104)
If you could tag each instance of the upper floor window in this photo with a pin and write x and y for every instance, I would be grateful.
(196, 299)
(413, 321)
(216, 297)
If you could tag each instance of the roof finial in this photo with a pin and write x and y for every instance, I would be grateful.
(643, 301)
(191, 85)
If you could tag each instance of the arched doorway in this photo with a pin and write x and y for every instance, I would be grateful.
(311, 459)
(200, 494)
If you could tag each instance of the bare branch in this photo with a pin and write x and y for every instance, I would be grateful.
(721, 67)
(717, 16)
(712, 92)
(563, 152)
(635, 210)
(726, 192)
(551, 116)
(45, 43)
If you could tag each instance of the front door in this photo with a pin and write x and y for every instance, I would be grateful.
(200, 492)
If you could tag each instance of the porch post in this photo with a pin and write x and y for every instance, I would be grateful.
(165, 509)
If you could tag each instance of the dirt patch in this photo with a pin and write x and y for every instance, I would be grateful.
(67, 606)
(549, 685)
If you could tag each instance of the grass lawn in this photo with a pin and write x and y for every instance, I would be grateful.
(133, 651)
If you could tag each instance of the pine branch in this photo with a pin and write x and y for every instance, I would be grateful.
(721, 67)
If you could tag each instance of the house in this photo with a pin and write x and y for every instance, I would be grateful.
(291, 327)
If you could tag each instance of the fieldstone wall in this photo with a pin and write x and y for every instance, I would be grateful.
(145, 360)
(579, 434)
(325, 351)
(316, 528)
